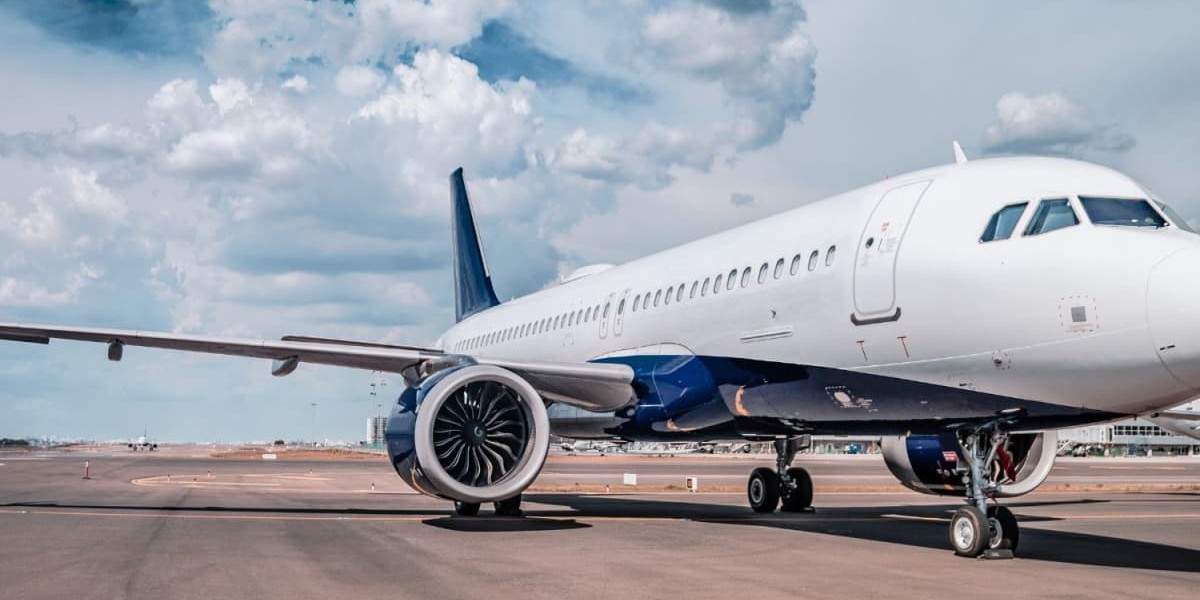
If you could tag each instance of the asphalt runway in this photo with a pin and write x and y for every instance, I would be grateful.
(302, 529)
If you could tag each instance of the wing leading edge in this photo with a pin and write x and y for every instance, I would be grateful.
(590, 386)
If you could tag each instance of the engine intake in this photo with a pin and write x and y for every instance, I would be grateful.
(935, 464)
(474, 433)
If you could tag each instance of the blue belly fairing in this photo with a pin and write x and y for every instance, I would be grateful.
(706, 397)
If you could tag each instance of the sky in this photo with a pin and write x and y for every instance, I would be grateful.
(258, 168)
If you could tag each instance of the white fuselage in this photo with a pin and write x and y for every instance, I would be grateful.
(1087, 316)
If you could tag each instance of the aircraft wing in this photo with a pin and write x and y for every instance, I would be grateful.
(590, 386)
(1182, 415)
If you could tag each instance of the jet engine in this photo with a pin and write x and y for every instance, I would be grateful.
(473, 433)
(936, 464)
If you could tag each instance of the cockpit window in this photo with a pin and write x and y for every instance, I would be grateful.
(1176, 219)
(1122, 212)
(1050, 215)
(1002, 224)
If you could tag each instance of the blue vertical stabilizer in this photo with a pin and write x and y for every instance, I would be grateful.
(472, 284)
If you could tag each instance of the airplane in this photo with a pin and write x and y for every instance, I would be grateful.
(143, 443)
(1181, 420)
(962, 313)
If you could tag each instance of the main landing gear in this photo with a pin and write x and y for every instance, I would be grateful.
(980, 529)
(510, 507)
(790, 489)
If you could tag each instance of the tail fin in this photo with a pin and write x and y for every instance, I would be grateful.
(472, 284)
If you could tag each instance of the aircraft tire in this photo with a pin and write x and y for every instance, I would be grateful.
(969, 531)
(509, 507)
(466, 509)
(800, 497)
(763, 490)
(1005, 533)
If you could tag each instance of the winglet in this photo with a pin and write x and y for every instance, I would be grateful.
(473, 290)
(959, 156)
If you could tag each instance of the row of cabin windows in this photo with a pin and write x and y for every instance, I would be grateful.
(729, 281)
(644, 302)
(563, 321)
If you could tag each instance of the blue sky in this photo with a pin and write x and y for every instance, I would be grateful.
(272, 167)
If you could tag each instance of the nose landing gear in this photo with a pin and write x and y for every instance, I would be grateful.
(787, 488)
(980, 529)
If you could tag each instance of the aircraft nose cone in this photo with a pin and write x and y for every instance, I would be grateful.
(1173, 305)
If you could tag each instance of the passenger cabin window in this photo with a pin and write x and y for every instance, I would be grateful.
(762, 273)
(829, 255)
(679, 293)
(717, 284)
(657, 297)
(1050, 215)
(704, 287)
(636, 300)
(1121, 212)
(695, 285)
(746, 277)
(621, 307)
(778, 268)
(1002, 224)
(812, 260)
(670, 292)
(796, 264)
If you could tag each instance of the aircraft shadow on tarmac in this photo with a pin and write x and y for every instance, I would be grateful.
(923, 526)
(226, 509)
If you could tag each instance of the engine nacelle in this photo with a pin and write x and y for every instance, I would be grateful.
(935, 464)
(473, 433)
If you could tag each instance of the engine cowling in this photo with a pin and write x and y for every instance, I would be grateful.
(474, 433)
(935, 464)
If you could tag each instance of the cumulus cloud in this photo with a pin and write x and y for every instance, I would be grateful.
(759, 55)
(441, 101)
(643, 160)
(1049, 124)
(134, 27)
(285, 171)
(358, 81)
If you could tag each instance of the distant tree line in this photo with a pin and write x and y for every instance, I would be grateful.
(7, 443)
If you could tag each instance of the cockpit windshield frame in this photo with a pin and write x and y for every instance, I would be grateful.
(1113, 211)
(1049, 216)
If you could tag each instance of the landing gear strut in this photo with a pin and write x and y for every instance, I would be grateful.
(979, 528)
(787, 488)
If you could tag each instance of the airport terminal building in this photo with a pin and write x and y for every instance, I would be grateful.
(1130, 437)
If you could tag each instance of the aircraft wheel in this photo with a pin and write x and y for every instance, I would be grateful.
(510, 507)
(1004, 531)
(969, 531)
(800, 497)
(466, 509)
(763, 490)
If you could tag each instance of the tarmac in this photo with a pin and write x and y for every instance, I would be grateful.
(163, 525)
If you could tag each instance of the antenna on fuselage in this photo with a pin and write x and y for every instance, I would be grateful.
(960, 157)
